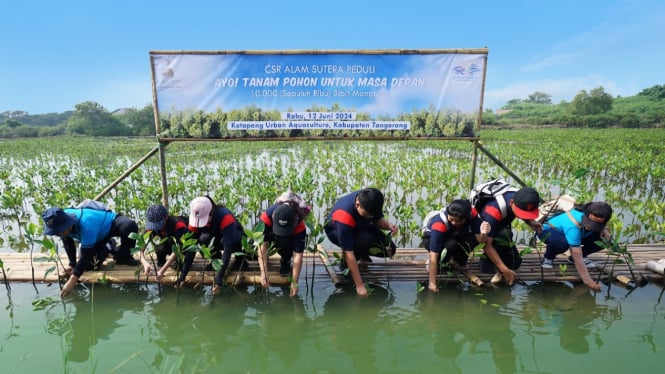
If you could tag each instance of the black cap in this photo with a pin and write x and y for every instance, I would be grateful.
(283, 220)
(155, 215)
(526, 203)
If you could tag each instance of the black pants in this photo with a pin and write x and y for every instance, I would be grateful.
(370, 241)
(457, 248)
(506, 249)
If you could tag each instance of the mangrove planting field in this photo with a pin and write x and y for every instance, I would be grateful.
(625, 167)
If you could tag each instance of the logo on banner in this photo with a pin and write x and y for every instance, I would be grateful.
(166, 78)
(467, 72)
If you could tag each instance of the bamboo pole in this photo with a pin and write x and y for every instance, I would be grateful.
(162, 170)
(484, 50)
(325, 260)
(500, 164)
(126, 173)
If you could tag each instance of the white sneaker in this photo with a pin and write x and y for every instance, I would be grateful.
(498, 277)
(587, 262)
(427, 265)
(547, 263)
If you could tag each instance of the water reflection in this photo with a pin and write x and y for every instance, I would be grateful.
(472, 325)
(192, 329)
(553, 327)
(283, 324)
(92, 320)
(352, 325)
(569, 311)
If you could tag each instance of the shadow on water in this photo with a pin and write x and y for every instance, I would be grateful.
(553, 327)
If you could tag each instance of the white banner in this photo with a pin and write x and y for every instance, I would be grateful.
(320, 91)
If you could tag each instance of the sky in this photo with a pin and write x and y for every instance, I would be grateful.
(56, 54)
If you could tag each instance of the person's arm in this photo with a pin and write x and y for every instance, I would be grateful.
(147, 268)
(352, 265)
(297, 266)
(226, 258)
(484, 230)
(70, 249)
(580, 266)
(535, 225)
(160, 274)
(508, 274)
(383, 224)
(69, 286)
(263, 265)
(433, 269)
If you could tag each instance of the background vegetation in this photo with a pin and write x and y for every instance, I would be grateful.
(625, 168)
(593, 109)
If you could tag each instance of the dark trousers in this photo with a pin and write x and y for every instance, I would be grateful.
(505, 247)
(218, 250)
(121, 227)
(556, 243)
(284, 245)
(369, 241)
(457, 249)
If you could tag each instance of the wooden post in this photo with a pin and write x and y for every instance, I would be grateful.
(126, 173)
(501, 165)
(326, 263)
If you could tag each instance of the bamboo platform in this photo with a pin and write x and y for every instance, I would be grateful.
(407, 265)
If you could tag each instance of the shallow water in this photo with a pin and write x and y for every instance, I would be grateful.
(529, 328)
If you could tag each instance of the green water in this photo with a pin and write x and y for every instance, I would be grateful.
(142, 329)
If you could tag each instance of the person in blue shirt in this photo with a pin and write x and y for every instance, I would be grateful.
(577, 231)
(93, 229)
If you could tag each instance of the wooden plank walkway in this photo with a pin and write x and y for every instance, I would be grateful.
(407, 265)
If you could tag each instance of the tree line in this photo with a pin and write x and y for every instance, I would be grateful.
(592, 109)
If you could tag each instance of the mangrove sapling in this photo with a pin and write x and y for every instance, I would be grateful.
(187, 244)
(251, 245)
(206, 253)
(313, 240)
(145, 246)
(30, 232)
(620, 251)
(4, 276)
(52, 252)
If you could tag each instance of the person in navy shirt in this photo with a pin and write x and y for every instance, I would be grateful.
(215, 224)
(356, 224)
(285, 230)
(93, 229)
(451, 230)
(160, 224)
(500, 250)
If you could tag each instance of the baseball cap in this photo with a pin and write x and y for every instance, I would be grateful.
(526, 203)
(598, 209)
(155, 216)
(56, 221)
(283, 220)
(199, 211)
